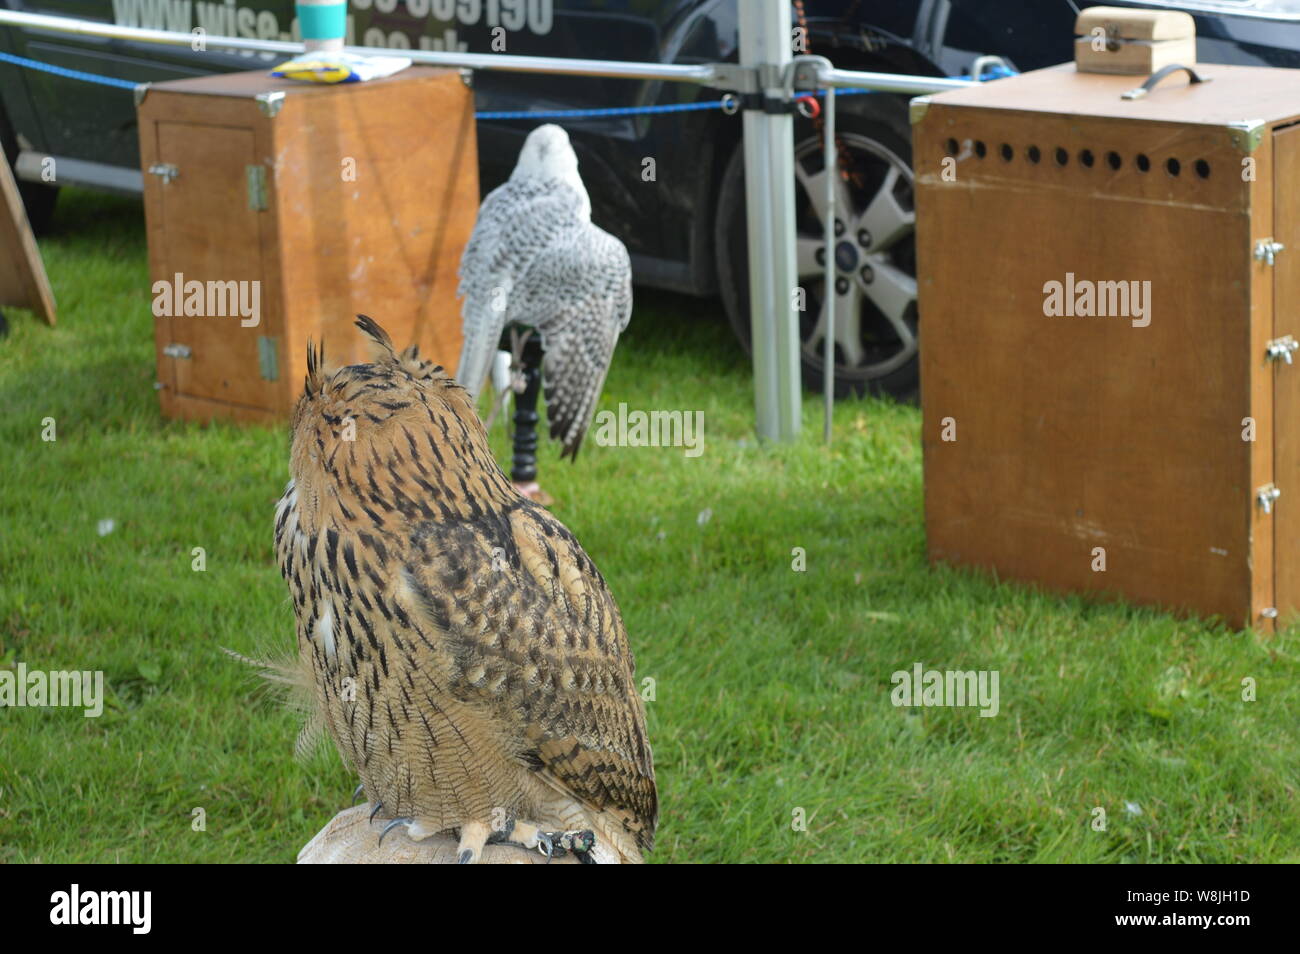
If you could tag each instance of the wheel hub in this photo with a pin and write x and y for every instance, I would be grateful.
(846, 256)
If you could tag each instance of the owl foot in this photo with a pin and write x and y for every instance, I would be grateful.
(552, 844)
(473, 836)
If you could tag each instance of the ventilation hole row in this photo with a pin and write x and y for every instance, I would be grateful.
(1086, 158)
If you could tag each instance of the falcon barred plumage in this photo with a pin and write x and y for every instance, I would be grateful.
(536, 259)
(462, 649)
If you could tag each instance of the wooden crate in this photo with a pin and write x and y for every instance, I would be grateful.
(1122, 40)
(1051, 441)
(335, 199)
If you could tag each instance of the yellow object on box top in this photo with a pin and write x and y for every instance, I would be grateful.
(339, 67)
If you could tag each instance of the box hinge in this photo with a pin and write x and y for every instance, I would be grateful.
(177, 351)
(256, 187)
(1265, 497)
(268, 358)
(1281, 348)
(1266, 250)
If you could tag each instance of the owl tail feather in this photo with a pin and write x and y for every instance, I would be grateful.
(291, 678)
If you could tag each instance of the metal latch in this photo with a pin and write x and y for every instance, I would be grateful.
(1281, 348)
(1265, 497)
(256, 175)
(164, 170)
(268, 358)
(177, 351)
(1266, 249)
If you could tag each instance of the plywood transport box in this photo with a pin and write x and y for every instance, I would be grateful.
(1124, 435)
(335, 199)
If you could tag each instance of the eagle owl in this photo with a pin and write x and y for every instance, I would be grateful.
(461, 648)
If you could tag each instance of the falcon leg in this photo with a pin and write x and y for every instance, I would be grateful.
(523, 466)
(517, 381)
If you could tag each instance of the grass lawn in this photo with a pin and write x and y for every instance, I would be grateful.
(772, 686)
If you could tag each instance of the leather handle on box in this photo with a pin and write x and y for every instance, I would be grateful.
(1158, 75)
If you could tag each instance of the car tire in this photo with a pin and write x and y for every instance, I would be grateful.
(877, 353)
(39, 201)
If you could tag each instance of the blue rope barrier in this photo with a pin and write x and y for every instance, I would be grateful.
(996, 73)
(64, 71)
(611, 111)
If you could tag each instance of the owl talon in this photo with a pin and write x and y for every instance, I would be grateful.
(379, 806)
(393, 824)
(545, 846)
(357, 793)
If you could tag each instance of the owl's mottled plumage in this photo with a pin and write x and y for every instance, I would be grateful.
(536, 259)
(466, 655)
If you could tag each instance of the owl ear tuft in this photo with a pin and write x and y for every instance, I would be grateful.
(376, 334)
(315, 368)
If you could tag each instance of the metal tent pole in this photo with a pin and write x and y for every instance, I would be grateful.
(718, 75)
(703, 74)
(769, 204)
(832, 180)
